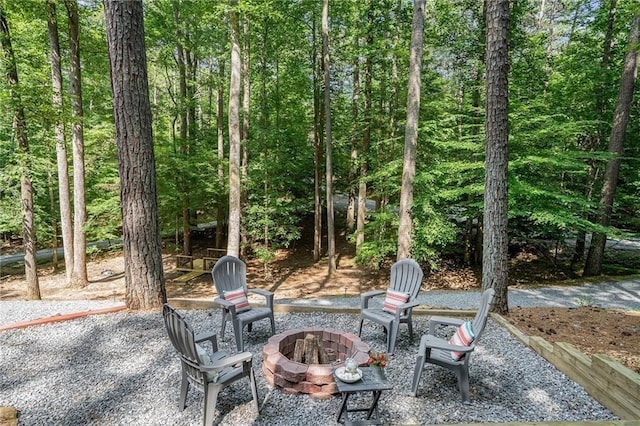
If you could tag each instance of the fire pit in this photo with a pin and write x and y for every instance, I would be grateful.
(314, 379)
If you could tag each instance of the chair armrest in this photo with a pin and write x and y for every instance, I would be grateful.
(208, 337)
(433, 321)
(228, 361)
(433, 342)
(405, 307)
(225, 304)
(408, 305)
(364, 297)
(268, 295)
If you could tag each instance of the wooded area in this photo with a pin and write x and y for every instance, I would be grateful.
(262, 111)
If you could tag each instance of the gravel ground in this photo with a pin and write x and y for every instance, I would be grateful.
(120, 368)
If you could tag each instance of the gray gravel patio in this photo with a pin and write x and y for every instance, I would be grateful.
(121, 369)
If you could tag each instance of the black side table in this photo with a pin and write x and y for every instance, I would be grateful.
(374, 381)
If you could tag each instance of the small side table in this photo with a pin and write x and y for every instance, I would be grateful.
(374, 381)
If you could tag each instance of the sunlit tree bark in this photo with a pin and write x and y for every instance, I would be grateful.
(26, 188)
(144, 277)
(331, 239)
(79, 275)
(405, 226)
(593, 264)
(233, 246)
(64, 201)
(495, 238)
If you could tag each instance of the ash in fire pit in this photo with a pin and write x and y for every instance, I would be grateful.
(315, 379)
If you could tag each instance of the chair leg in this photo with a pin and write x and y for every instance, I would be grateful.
(237, 331)
(254, 390)
(360, 328)
(463, 384)
(392, 336)
(184, 389)
(250, 327)
(211, 392)
(410, 327)
(273, 324)
(416, 374)
(224, 323)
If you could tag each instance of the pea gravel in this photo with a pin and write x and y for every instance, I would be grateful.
(120, 369)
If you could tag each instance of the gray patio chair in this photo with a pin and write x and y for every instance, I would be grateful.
(209, 372)
(434, 350)
(230, 275)
(406, 278)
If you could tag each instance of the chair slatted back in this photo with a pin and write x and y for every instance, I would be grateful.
(183, 339)
(229, 273)
(480, 320)
(406, 277)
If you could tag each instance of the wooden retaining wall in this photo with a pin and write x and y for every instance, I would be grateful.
(605, 379)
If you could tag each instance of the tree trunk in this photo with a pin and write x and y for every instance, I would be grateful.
(183, 101)
(144, 278)
(233, 246)
(593, 265)
(353, 165)
(79, 275)
(244, 144)
(593, 143)
(317, 151)
(495, 241)
(26, 188)
(405, 226)
(54, 222)
(61, 146)
(220, 131)
(331, 239)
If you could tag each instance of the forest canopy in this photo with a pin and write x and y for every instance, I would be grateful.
(566, 60)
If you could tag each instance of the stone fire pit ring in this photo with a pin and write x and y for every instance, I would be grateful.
(315, 379)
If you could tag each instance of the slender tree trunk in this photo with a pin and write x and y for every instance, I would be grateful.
(405, 226)
(220, 131)
(233, 247)
(317, 150)
(144, 277)
(331, 239)
(395, 80)
(183, 100)
(54, 222)
(366, 139)
(593, 143)
(61, 145)
(355, 117)
(495, 238)
(473, 238)
(593, 265)
(79, 275)
(26, 188)
(244, 144)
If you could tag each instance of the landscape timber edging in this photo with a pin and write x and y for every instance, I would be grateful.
(605, 379)
(62, 317)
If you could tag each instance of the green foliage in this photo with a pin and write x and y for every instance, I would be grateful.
(275, 223)
(561, 109)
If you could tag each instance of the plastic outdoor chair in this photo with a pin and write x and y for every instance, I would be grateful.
(230, 273)
(406, 278)
(208, 372)
(434, 350)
